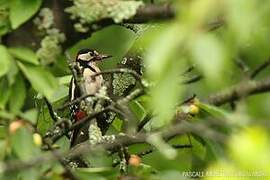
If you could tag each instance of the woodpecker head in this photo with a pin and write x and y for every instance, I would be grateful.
(90, 56)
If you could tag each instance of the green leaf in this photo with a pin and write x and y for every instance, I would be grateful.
(61, 92)
(3, 145)
(22, 10)
(41, 80)
(5, 92)
(12, 73)
(3, 132)
(22, 144)
(213, 110)
(6, 115)
(64, 79)
(5, 60)
(4, 17)
(137, 109)
(117, 124)
(44, 121)
(210, 55)
(30, 115)
(24, 54)
(170, 174)
(18, 95)
(29, 174)
(164, 148)
(163, 69)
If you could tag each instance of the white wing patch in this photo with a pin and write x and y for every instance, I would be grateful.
(72, 97)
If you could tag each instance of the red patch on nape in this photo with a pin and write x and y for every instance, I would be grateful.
(79, 115)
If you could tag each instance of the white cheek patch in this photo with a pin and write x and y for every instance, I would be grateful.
(85, 57)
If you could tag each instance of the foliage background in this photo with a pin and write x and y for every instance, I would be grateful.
(224, 40)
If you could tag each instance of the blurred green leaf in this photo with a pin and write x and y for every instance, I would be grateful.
(4, 19)
(7, 115)
(5, 92)
(213, 110)
(2, 133)
(170, 174)
(24, 54)
(159, 58)
(60, 93)
(117, 124)
(17, 95)
(22, 144)
(163, 64)
(44, 121)
(162, 146)
(137, 109)
(242, 20)
(64, 80)
(250, 147)
(3, 148)
(96, 170)
(30, 115)
(5, 60)
(29, 174)
(12, 73)
(63, 144)
(41, 80)
(22, 10)
(210, 56)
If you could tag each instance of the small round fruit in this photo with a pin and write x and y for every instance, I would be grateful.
(193, 109)
(134, 160)
(37, 139)
(15, 125)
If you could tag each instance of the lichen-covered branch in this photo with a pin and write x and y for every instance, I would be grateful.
(127, 140)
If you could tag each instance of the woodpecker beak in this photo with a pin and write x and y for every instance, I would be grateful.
(100, 57)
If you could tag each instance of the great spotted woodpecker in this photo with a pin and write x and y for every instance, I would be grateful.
(86, 60)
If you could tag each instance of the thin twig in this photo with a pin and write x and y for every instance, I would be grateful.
(150, 150)
(242, 65)
(188, 70)
(188, 100)
(241, 90)
(112, 107)
(59, 157)
(53, 114)
(145, 120)
(122, 140)
(259, 69)
(193, 79)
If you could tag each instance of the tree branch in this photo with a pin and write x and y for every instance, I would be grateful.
(153, 12)
(180, 128)
(239, 91)
(127, 140)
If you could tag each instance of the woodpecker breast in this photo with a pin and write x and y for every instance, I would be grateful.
(92, 84)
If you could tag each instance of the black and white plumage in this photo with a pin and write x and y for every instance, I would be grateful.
(87, 62)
